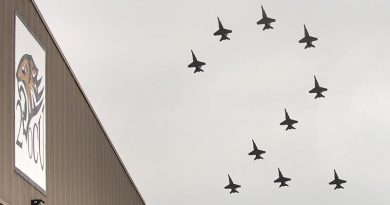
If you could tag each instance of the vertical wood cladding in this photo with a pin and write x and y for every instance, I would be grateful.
(82, 166)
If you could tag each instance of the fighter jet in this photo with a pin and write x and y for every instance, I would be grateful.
(318, 89)
(222, 31)
(265, 20)
(337, 181)
(288, 121)
(195, 63)
(308, 39)
(256, 151)
(232, 186)
(282, 180)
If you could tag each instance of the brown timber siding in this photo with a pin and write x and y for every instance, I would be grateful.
(83, 167)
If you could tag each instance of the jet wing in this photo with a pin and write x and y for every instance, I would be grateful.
(318, 89)
(289, 121)
(226, 31)
(266, 21)
(333, 182)
(308, 39)
(191, 65)
(323, 89)
(196, 64)
(342, 181)
(262, 21)
(284, 122)
(282, 180)
(304, 40)
(252, 153)
(219, 32)
(311, 38)
(222, 32)
(314, 90)
(232, 186)
(229, 186)
(271, 20)
(293, 121)
(278, 180)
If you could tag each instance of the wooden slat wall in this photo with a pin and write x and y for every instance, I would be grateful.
(82, 166)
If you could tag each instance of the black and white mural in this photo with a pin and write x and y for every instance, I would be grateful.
(30, 112)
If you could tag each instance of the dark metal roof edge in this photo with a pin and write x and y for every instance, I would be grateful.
(84, 95)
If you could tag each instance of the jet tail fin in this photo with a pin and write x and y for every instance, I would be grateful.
(258, 157)
(267, 26)
(233, 191)
(283, 184)
(223, 37)
(290, 127)
(198, 70)
(309, 45)
(338, 186)
(319, 95)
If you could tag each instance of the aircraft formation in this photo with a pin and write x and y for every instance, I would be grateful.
(318, 90)
(281, 179)
(266, 21)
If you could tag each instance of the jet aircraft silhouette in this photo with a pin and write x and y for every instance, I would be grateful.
(308, 39)
(223, 32)
(195, 63)
(317, 89)
(265, 20)
(282, 180)
(337, 181)
(232, 186)
(288, 121)
(256, 151)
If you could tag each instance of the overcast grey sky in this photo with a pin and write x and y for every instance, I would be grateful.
(181, 134)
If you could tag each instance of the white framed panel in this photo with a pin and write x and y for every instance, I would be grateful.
(30, 107)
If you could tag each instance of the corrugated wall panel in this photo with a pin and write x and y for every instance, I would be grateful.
(82, 166)
(3, 89)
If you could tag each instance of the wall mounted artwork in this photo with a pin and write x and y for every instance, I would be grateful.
(30, 111)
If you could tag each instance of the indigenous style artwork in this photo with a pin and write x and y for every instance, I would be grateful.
(30, 111)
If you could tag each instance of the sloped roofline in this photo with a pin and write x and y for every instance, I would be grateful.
(85, 96)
